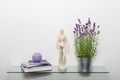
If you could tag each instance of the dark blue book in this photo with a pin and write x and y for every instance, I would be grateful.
(31, 63)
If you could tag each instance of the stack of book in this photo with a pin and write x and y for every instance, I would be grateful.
(32, 66)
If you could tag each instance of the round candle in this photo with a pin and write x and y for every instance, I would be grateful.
(37, 57)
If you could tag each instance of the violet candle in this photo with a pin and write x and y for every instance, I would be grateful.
(37, 57)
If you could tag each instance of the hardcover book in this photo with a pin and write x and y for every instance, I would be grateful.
(32, 66)
(37, 69)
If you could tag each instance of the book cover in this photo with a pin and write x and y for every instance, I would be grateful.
(37, 69)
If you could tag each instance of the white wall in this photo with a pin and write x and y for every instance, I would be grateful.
(28, 26)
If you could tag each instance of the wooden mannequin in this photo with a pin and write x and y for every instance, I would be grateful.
(62, 45)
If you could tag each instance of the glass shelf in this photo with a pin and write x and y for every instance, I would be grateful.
(70, 69)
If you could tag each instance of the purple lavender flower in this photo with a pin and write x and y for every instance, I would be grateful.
(83, 26)
(80, 33)
(74, 32)
(98, 26)
(86, 24)
(75, 29)
(82, 29)
(76, 25)
(94, 24)
(98, 32)
(89, 22)
(85, 29)
(93, 30)
(79, 21)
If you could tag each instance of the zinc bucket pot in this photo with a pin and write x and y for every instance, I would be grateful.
(85, 64)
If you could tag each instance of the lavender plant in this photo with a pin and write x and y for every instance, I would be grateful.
(86, 39)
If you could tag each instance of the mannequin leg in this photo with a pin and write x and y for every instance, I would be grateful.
(64, 58)
(60, 57)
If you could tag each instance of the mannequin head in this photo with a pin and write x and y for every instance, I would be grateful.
(62, 32)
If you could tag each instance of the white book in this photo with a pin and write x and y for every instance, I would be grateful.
(37, 69)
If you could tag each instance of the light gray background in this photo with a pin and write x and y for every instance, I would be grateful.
(28, 26)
